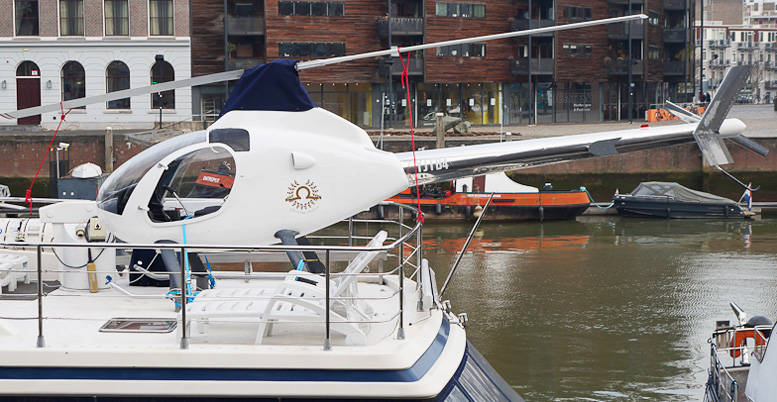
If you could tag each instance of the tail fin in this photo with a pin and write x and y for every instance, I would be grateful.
(707, 132)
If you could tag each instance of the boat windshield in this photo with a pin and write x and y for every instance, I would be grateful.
(118, 187)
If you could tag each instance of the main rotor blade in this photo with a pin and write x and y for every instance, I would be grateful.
(126, 93)
(681, 113)
(750, 145)
(304, 65)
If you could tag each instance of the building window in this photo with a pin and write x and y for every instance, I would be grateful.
(463, 10)
(312, 8)
(71, 17)
(116, 18)
(578, 51)
(578, 13)
(27, 18)
(161, 17)
(654, 53)
(117, 78)
(463, 50)
(162, 71)
(653, 18)
(310, 49)
(73, 81)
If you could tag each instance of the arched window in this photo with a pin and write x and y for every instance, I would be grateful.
(162, 71)
(117, 77)
(27, 69)
(73, 81)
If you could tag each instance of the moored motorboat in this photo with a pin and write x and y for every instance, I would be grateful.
(672, 200)
(463, 199)
(743, 361)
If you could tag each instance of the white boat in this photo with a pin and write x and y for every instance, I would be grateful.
(743, 361)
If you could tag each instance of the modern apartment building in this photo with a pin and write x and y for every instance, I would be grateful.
(739, 33)
(58, 50)
(571, 76)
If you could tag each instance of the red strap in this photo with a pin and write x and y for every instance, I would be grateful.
(27, 195)
(406, 85)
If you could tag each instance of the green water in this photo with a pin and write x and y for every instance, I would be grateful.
(606, 309)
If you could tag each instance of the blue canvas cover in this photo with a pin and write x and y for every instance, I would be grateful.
(273, 86)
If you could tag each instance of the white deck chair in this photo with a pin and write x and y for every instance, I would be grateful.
(299, 301)
(12, 269)
(294, 300)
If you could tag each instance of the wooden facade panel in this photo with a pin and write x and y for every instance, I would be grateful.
(578, 69)
(495, 67)
(358, 29)
(207, 37)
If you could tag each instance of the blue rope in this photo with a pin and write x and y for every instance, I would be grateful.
(189, 294)
(594, 202)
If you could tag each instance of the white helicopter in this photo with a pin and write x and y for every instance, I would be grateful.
(275, 163)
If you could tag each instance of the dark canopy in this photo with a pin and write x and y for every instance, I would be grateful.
(677, 192)
(273, 86)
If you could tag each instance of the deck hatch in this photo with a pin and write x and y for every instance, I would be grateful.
(139, 325)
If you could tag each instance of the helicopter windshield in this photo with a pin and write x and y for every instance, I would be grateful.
(119, 186)
(195, 184)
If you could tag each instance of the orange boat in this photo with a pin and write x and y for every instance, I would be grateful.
(463, 199)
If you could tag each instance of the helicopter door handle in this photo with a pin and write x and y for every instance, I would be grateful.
(142, 208)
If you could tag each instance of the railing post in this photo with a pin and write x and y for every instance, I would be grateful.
(350, 231)
(41, 341)
(184, 285)
(401, 273)
(327, 341)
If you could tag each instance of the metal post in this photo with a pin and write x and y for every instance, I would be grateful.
(631, 64)
(401, 273)
(701, 53)
(350, 231)
(160, 110)
(184, 285)
(41, 341)
(533, 102)
(327, 341)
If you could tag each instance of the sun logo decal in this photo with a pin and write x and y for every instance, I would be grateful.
(303, 198)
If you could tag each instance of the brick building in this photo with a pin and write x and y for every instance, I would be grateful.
(570, 76)
(57, 50)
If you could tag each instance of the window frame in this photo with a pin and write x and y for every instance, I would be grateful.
(71, 81)
(123, 20)
(123, 103)
(170, 19)
(66, 18)
(19, 20)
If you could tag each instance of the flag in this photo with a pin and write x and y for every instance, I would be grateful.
(748, 198)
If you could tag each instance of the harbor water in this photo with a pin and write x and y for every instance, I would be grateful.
(606, 308)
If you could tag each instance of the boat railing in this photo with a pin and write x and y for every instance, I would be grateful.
(403, 246)
(721, 385)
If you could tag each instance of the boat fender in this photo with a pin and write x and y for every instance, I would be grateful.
(468, 211)
(668, 213)
(541, 213)
(478, 211)
(438, 208)
(381, 212)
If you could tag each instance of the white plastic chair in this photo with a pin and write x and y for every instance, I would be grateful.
(12, 269)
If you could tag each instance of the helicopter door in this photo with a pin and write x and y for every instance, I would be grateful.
(194, 185)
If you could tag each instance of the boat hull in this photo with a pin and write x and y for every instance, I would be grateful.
(545, 205)
(666, 208)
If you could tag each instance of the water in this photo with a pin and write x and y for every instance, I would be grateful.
(603, 308)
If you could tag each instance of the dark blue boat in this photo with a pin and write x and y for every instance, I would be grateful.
(672, 200)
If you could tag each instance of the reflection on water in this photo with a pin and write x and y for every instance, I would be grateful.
(605, 309)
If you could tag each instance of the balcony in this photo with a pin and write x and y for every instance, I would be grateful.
(719, 44)
(543, 66)
(675, 5)
(771, 84)
(675, 35)
(523, 24)
(244, 62)
(673, 68)
(747, 46)
(771, 46)
(245, 26)
(622, 67)
(401, 26)
(770, 65)
(415, 68)
(620, 31)
(719, 63)
(624, 2)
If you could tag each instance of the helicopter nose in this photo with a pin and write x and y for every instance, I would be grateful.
(732, 127)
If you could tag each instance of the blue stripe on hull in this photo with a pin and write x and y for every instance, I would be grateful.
(414, 373)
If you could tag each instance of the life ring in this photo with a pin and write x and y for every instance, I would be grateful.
(740, 337)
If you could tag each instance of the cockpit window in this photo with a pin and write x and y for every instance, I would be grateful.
(120, 184)
(237, 138)
(195, 184)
